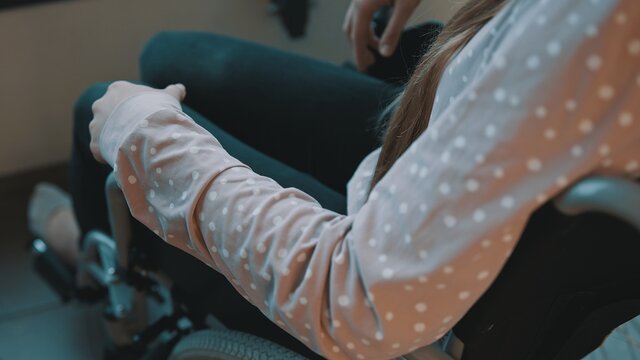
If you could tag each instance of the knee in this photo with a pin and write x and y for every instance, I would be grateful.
(192, 58)
(157, 46)
(158, 58)
(169, 46)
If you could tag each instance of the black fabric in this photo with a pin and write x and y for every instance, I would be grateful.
(569, 282)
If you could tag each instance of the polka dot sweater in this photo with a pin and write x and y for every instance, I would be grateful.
(546, 93)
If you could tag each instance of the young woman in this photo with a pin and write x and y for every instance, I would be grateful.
(513, 102)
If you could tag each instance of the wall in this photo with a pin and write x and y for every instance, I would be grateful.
(50, 53)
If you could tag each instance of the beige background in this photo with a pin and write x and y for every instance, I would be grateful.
(50, 53)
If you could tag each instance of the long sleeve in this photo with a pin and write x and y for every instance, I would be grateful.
(558, 99)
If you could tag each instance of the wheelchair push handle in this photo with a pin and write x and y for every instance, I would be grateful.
(615, 196)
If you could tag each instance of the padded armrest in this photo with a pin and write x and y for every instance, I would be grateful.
(610, 195)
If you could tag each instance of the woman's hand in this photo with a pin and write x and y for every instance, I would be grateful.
(116, 93)
(357, 26)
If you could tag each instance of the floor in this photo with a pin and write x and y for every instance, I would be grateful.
(35, 324)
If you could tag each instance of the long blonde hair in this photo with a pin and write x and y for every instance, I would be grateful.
(413, 106)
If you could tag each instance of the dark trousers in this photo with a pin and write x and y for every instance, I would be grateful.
(316, 121)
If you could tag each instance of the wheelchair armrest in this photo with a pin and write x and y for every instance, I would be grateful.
(610, 195)
(119, 218)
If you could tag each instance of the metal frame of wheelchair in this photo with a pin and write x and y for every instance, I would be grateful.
(105, 263)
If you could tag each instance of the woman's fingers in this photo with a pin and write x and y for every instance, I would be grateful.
(361, 32)
(346, 25)
(176, 90)
(358, 27)
(349, 31)
(401, 13)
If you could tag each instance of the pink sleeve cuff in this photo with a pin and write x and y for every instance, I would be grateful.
(129, 114)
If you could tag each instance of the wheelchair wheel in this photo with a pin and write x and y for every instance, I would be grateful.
(228, 345)
(622, 343)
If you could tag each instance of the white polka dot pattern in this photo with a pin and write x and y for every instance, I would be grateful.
(407, 261)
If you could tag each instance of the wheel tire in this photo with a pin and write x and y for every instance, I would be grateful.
(229, 345)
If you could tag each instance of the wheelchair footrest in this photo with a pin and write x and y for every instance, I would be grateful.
(59, 276)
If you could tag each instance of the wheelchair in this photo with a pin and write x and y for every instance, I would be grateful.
(570, 281)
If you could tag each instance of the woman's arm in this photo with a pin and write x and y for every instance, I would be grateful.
(437, 229)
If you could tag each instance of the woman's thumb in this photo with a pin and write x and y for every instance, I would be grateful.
(177, 90)
(391, 36)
